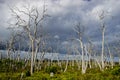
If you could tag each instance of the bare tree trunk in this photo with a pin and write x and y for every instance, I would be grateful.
(59, 63)
(89, 59)
(111, 57)
(79, 64)
(83, 61)
(102, 56)
(67, 61)
(0, 55)
(32, 57)
(41, 60)
(73, 64)
(19, 52)
(98, 62)
(119, 61)
(103, 27)
(78, 59)
(36, 52)
(8, 54)
(90, 52)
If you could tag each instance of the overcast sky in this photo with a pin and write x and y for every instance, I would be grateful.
(66, 13)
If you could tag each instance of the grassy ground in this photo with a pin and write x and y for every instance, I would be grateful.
(7, 72)
(76, 75)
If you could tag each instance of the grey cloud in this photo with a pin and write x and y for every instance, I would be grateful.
(2, 1)
(66, 13)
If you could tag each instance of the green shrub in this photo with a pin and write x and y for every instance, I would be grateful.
(27, 73)
(53, 69)
(115, 71)
(44, 78)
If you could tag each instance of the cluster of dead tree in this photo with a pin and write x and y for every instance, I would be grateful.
(28, 27)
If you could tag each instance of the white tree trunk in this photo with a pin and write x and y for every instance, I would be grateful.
(84, 63)
(0, 55)
(32, 57)
(89, 61)
(102, 56)
(111, 58)
(66, 64)
(119, 61)
(98, 62)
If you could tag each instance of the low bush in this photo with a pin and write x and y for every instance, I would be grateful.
(27, 73)
(53, 69)
(115, 71)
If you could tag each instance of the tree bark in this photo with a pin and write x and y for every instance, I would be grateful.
(102, 56)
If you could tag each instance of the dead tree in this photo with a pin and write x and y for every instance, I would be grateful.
(79, 29)
(67, 56)
(31, 24)
(103, 28)
(11, 42)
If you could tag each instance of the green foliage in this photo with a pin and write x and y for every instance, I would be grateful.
(27, 73)
(8, 65)
(93, 70)
(115, 71)
(53, 69)
(10, 76)
(7, 72)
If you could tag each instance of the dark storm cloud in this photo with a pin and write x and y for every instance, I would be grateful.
(2, 1)
(66, 13)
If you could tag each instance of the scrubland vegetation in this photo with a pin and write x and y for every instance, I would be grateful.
(13, 70)
(28, 33)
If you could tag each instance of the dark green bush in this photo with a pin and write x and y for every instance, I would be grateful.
(115, 71)
(53, 69)
(44, 78)
(27, 73)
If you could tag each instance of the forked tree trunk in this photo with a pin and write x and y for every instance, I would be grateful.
(83, 61)
(98, 62)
